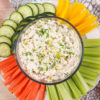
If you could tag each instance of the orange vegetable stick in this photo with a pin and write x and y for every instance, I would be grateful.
(27, 90)
(88, 29)
(77, 20)
(20, 87)
(72, 10)
(90, 20)
(61, 7)
(42, 92)
(33, 93)
(11, 66)
(6, 75)
(8, 81)
(6, 62)
(16, 81)
(65, 12)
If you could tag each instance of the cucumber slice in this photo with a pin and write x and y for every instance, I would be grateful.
(10, 22)
(6, 31)
(16, 16)
(25, 10)
(34, 8)
(4, 39)
(48, 7)
(5, 50)
(41, 8)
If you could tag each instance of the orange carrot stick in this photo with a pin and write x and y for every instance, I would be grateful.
(6, 75)
(16, 81)
(33, 93)
(42, 92)
(12, 65)
(20, 87)
(9, 59)
(27, 90)
(8, 81)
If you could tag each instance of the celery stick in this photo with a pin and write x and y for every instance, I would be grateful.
(80, 83)
(92, 52)
(91, 82)
(68, 89)
(48, 93)
(64, 93)
(91, 63)
(87, 76)
(92, 58)
(90, 70)
(74, 88)
(60, 96)
(91, 42)
(53, 92)
(87, 72)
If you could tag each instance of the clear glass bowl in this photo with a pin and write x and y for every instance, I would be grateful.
(70, 26)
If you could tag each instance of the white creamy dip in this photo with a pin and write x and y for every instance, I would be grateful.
(49, 51)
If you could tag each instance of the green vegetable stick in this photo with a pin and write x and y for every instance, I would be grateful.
(87, 72)
(64, 93)
(80, 83)
(91, 42)
(92, 52)
(92, 58)
(87, 76)
(48, 93)
(91, 63)
(90, 70)
(60, 96)
(91, 82)
(75, 90)
(53, 92)
(68, 89)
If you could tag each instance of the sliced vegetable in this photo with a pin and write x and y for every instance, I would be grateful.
(6, 31)
(16, 16)
(25, 10)
(5, 40)
(48, 7)
(34, 8)
(53, 92)
(10, 22)
(42, 92)
(80, 83)
(64, 93)
(91, 42)
(77, 93)
(40, 7)
(4, 50)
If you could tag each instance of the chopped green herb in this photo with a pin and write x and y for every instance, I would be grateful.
(39, 62)
(39, 26)
(59, 49)
(25, 42)
(54, 38)
(31, 59)
(28, 53)
(46, 68)
(47, 35)
(53, 65)
(39, 47)
(45, 64)
(41, 69)
(72, 53)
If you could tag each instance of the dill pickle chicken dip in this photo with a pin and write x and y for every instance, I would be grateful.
(49, 51)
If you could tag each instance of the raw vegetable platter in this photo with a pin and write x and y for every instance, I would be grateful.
(79, 84)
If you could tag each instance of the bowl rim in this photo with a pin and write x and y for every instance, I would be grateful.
(63, 80)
